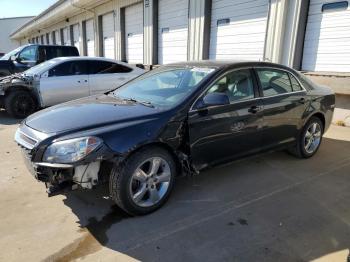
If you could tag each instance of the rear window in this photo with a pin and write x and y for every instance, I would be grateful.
(105, 67)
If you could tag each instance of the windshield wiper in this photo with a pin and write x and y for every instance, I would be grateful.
(145, 103)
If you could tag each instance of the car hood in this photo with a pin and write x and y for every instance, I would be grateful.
(89, 112)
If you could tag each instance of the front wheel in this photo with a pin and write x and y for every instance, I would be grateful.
(143, 183)
(310, 139)
(19, 104)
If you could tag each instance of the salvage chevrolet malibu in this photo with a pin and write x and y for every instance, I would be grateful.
(177, 119)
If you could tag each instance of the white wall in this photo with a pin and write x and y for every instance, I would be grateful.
(7, 27)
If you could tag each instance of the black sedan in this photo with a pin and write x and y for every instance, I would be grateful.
(178, 119)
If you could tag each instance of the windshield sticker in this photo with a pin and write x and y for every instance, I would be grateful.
(202, 70)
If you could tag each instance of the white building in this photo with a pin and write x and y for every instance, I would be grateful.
(7, 26)
(311, 35)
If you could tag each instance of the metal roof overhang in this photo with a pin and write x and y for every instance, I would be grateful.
(58, 12)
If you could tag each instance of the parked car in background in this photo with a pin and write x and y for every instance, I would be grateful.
(27, 56)
(180, 118)
(62, 79)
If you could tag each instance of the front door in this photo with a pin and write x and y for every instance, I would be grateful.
(26, 58)
(220, 133)
(64, 82)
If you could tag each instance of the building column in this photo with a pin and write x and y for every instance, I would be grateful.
(150, 32)
(199, 29)
(98, 35)
(285, 32)
(275, 30)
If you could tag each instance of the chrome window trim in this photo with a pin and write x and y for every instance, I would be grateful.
(255, 98)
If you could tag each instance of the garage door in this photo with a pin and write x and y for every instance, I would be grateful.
(173, 31)
(76, 36)
(108, 35)
(134, 34)
(58, 37)
(66, 36)
(327, 37)
(238, 29)
(90, 38)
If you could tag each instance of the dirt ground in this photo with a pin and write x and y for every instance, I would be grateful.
(272, 207)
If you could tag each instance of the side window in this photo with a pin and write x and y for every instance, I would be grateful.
(295, 84)
(237, 85)
(105, 67)
(28, 54)
(69, 68)
(274, 82)
(41, 55)
(68, 51)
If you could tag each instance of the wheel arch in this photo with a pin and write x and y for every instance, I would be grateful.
(319, 115)
(158, 144)
(21, 88)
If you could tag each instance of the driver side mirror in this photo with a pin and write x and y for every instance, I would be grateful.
(13, 58)
(214, 99)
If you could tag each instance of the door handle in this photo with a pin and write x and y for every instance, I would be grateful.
(254, 109)
(302, 100)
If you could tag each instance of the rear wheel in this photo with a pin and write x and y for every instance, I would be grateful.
(310, 139)
(144, 182)
(19, 104)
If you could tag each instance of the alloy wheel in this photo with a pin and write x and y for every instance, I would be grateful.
(150, 182)
(312, 138)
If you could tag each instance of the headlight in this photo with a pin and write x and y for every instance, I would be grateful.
(72, 150)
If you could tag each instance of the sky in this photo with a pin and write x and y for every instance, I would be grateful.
(14, 8)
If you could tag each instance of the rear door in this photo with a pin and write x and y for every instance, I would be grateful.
(284, 102)
(221, 133)
(105, 76)
(64, 82)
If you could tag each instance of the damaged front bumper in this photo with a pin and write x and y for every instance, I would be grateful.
(58, 177)
(63, 177)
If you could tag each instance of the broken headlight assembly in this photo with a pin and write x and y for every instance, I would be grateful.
(72, 150)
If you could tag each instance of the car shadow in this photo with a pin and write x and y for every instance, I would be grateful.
(6, 119)
(271, 207)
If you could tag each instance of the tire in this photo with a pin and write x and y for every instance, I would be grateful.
(19, 104)
(4, 73)
(301, 149)
(135, 192)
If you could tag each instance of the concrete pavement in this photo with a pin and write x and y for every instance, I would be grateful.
(272, 207)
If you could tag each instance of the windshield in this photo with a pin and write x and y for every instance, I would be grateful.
(165, 88)
(40, 68)
(11, 53)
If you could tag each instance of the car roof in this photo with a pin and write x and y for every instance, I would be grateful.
(226, 63)
(62, 46)
(94, 58)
